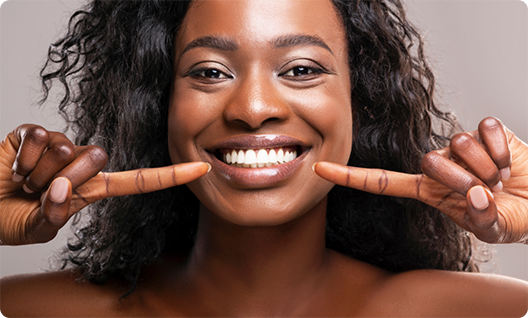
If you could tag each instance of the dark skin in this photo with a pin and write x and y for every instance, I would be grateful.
(260, 245)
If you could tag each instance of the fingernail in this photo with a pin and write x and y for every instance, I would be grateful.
(208, 166)
(17, 178)
(497, 187)
(313, 167)
(59, 190)
(478, 198)
(505, 173)
(26, 189)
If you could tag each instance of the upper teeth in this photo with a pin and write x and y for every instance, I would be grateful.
(258, 158)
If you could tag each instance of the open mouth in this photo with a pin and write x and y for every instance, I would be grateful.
(258, 158)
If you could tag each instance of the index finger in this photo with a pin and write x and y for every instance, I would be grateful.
(112, 184)
(376, 181)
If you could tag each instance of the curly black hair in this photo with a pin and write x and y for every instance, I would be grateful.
(115, 64)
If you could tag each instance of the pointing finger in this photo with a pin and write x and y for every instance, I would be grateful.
(414, 186)
(375, 181)
(107, 184)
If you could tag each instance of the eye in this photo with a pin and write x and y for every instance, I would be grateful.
(299, 71)
(209, 73)
(302, 72)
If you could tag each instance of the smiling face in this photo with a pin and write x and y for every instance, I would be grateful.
(262, 92)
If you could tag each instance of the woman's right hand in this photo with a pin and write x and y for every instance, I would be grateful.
(45, 179)
(459, 180)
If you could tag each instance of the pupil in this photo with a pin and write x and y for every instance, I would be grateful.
(212, 73)
(301, 71)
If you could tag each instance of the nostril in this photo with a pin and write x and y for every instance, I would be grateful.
(272, 119)
(254, 111)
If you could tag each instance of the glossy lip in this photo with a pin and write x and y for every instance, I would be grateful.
(257, 177)
(257, 142)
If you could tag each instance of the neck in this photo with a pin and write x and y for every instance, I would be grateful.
(259, 265)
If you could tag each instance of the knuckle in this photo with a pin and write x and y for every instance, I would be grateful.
(37, 135)
(461, 141)
(63, 151)
(490, 123)
(97, 156)
(429, 161)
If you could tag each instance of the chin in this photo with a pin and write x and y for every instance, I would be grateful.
(267, 207)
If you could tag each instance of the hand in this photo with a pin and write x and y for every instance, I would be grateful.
(480, 181)
(45, 179)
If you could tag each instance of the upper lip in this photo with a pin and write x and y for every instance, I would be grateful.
(257, 142)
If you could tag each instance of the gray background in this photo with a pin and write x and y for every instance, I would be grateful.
(479, 50)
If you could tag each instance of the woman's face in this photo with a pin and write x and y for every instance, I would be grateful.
(265, 84)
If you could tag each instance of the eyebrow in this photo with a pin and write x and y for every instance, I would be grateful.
(213, 42)
(291, 40)
(285, 41)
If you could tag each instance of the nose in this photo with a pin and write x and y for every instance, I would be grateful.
(255, 102)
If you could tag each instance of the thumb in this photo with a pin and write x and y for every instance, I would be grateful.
(54, 211)
(376, 181)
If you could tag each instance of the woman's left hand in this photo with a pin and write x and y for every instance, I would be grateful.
(480, 181)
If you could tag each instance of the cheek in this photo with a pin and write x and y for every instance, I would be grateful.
(338, 141)
(185, 120)
(329, 112)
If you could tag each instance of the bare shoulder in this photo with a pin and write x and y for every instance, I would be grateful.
(428, 293)
(57, 294)
(445, 293)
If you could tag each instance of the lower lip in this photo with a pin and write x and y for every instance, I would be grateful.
(257, 177)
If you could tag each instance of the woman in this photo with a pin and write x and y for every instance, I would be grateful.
(258, 79)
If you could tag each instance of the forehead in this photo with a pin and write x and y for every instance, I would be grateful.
(256, 22)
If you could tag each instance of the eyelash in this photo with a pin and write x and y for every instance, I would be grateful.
(216, 75)
(312, 72)
(202, 73)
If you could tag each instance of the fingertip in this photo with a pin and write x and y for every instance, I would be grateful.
(505, 173)
(479, 198)
(498, 187)
(16, 177)
(26, 189)
(323, 167)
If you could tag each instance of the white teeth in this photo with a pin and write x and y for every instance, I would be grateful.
(258, 158)
(280, 155)
(272, 157)
(262, 158)
(251, 157)
(234, 156)
(240, 157)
